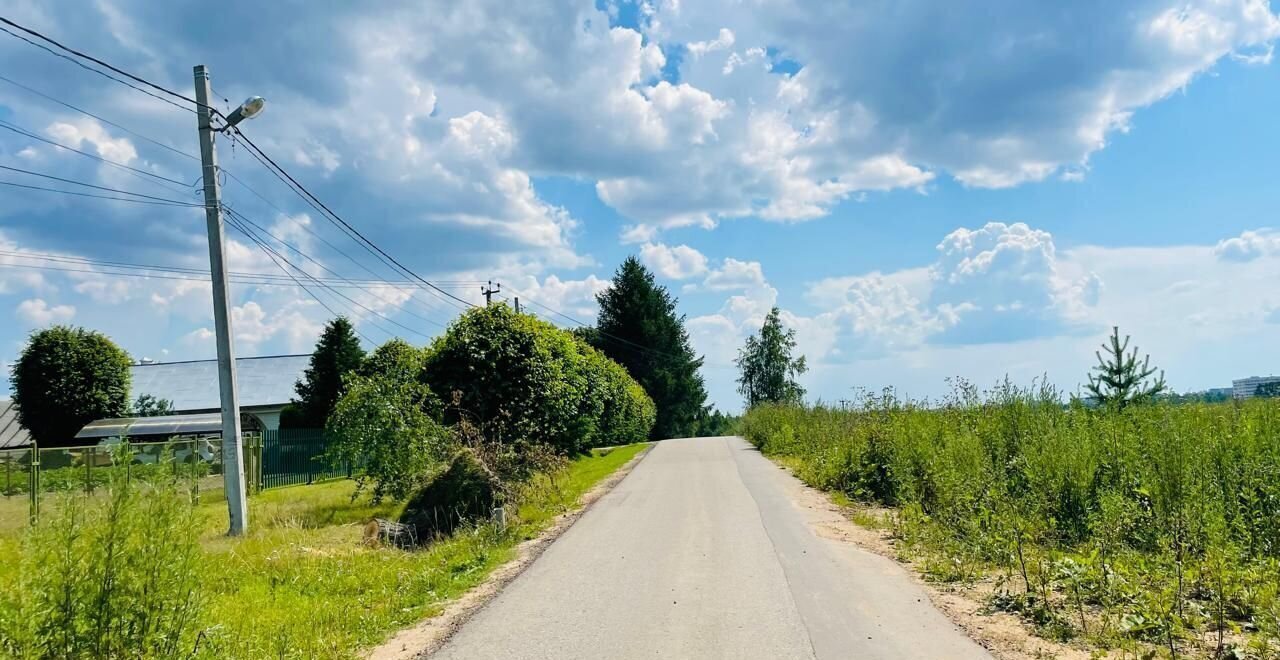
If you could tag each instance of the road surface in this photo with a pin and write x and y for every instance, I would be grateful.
(701, 553)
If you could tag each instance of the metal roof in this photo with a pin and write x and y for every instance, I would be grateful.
(159, 425)
(12, 435)
(193, 386)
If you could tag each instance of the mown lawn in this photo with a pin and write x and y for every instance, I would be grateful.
(302, 584)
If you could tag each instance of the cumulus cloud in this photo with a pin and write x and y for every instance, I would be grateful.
(1249, 245)
(735, 274)
(678, 263)
(37, 313)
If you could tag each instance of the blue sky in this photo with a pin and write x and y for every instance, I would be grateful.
(927, 191)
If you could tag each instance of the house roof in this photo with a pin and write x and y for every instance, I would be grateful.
(12, 435)
(193, 386)
(159, 425)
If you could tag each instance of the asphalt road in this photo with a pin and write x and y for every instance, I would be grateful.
(702, 553)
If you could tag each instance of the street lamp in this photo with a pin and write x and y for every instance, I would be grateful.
(252, 107)
(232, 443)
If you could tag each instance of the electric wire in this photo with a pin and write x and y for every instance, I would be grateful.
(99, 118)
(272, 252)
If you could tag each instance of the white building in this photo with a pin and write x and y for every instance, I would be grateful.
(1244, 388)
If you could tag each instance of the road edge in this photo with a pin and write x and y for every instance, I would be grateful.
(426, 637)
(1003, 635)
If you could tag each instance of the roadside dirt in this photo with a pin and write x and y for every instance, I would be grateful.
(1004, 635)
(422, 640)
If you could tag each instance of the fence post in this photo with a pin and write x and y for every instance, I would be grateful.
(8, 475)
(34, 488)
(128, 461)
(89, 456)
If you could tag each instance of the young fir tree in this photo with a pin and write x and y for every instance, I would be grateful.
(767, 372)
(1120, 379)
(638, 328)
(337, 353)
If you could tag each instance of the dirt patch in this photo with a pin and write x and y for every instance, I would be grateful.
(1004, 635)
(427, 637)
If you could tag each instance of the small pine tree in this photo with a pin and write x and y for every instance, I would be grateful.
(1120, 379)
(337, 353)
(767, 372)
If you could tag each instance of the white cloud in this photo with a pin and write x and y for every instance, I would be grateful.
(80, 131)
(678, 263)
(38, 313)
(735, 274)
(1249, 245)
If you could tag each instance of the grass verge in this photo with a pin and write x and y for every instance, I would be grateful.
(302, 585)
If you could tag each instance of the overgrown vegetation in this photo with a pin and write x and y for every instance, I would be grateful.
(112, 577)
(1151, 528)
(301, 585)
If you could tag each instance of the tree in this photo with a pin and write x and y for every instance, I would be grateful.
(767, 372)
(396, 359)
(638, 328)
(1267, 390)
(521, 380)
(65, 378)
(337, 353)
(1120, 380)
(383, 423)
(150, 406)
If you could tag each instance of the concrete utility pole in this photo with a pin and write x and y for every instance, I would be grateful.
(488, 292)
(517, 299)
(232, 447)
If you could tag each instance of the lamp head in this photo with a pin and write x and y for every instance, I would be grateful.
(252, 107)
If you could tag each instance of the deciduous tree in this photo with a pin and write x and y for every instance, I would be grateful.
(767, 372)
(65, 378)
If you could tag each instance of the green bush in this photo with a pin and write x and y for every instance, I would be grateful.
(107, 577)
(524, 380)
(462, 492)
(1159, 515)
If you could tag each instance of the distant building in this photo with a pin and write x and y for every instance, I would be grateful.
(12, 435)
(265, 385)
(1244, 388)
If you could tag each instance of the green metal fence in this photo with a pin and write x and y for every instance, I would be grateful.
(297, 456)
(31, 476)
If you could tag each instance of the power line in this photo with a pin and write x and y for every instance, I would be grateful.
(101, 63)
(240, 216)
(143, 269)
(87, 185)
(273, 254)
(162, 202)
(99, 118)
(153, 272)
(307, 195)
(22, 131)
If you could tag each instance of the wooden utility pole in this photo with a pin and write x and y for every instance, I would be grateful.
(489, 291)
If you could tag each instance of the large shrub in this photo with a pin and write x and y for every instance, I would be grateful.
(521, 379)
(114, 577)
(65, 378)
(384, 424)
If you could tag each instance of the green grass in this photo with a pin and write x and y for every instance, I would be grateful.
(302, 584)
(1155, 528)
